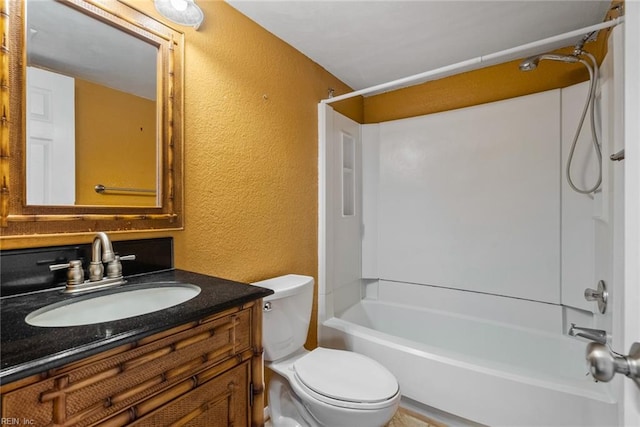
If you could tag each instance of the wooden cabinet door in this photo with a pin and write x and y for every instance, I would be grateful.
(220, 402)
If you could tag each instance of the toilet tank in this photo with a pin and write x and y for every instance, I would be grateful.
(286, 314)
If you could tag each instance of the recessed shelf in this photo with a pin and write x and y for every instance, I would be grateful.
(348, 176)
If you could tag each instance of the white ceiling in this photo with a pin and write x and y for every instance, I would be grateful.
(362, 42)
(365, 43)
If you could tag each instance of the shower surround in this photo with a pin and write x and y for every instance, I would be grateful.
(453, 251)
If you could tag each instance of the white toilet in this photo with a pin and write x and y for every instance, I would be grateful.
(322, 387)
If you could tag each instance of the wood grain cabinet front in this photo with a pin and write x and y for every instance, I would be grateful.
(199, 374)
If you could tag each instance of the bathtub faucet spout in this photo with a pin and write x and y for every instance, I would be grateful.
(596, 335)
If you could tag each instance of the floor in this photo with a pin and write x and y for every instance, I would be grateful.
(407, 418)
(404, 418)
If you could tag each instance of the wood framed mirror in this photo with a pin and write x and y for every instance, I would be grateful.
(122, 168)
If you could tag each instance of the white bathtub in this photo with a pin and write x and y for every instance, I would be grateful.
(481, 370)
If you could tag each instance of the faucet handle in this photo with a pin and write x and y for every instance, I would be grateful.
(114, 268)
(55, 267)
(75, 274)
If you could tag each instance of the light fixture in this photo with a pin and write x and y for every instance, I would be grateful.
(183, 12)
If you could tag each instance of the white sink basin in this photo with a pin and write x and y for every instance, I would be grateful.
(121, 305)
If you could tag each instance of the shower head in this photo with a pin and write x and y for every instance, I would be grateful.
(531, 63)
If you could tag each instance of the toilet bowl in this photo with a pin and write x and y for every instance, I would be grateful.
(323, 387)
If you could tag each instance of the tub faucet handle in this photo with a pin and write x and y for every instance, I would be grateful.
(600, 295)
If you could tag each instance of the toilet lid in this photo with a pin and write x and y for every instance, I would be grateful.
(345, 376)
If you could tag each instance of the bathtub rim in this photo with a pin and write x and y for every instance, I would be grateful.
(422, 350)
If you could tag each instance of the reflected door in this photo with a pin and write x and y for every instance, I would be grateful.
(50, 138)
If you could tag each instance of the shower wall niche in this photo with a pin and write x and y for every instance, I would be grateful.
(348, 174)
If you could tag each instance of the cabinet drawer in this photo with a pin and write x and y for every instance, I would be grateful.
(220, 402)
(86, 394)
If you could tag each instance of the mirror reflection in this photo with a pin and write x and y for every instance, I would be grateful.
(91, 111)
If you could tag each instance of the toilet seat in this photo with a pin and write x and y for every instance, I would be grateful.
(345, 379)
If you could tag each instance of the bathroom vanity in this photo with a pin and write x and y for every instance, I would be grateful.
(198, 363)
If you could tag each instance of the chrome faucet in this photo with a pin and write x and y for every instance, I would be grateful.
(596, 335)
(101, 251)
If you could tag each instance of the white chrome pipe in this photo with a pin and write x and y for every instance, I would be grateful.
(470, 64)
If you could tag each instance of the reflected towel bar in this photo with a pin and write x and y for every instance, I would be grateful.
(101, 189)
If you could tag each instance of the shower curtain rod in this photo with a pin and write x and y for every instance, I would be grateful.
(469, 64)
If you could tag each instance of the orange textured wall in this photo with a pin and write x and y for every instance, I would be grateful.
(115, 145)
(250, 150)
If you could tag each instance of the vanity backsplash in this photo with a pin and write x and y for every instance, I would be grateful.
(27, 270)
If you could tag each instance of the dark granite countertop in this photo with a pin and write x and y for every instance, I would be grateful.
(27, 350)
